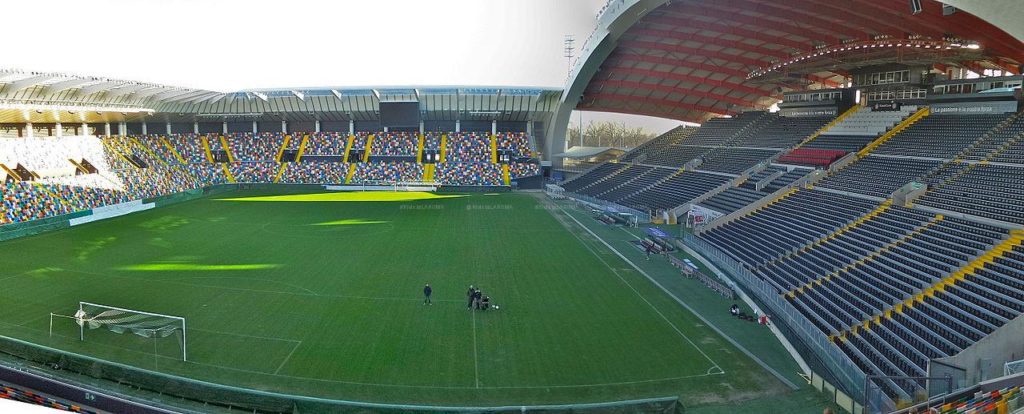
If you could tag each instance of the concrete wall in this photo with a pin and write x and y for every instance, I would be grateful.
(985, 359)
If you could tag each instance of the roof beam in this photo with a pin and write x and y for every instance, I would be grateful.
(798, 17)
(657, 33)
(172, 94)
(186, 96)
(145, 93)
(125, 90)
(757, 63)
(28, 83)
(690, 116)
(622, 84)
(691, 79)
(622, 57)
(669, 19)
(99, 87)
(612, 97)
(67, 84)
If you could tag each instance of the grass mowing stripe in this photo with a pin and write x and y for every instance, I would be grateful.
(616, 272)
(476, 359)
(278, 370)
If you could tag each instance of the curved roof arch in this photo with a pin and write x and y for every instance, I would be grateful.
(692, 60)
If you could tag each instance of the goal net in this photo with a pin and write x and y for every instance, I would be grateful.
(91, 316)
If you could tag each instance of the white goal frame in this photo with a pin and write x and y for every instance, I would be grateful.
(81, 326)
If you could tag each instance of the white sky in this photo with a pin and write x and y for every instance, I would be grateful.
(228, 45)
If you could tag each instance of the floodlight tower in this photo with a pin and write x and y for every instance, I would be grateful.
(570, 47)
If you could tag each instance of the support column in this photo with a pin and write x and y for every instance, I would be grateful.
(29, 133)
(106, 129)
(385, 129)
(529, 128)
(316, 127)
(85, 129)
(195, 127)
(284, 126)
(60, 130)
(351, 127)
(421, 127)
(145, 129)
(168, 128)
(255, 128)
(458, 126)
(224, 127)
(122, 128)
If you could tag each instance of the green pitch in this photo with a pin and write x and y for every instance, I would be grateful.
(321, 295)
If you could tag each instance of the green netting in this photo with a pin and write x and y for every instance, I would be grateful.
(199, 391)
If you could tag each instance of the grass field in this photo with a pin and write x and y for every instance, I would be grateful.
(320, 295)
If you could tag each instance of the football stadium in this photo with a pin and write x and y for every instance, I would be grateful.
(834, 221)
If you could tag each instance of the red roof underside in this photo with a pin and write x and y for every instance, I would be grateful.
(689, 60)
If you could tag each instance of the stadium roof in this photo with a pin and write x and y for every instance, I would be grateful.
(693, 59)
(55, 97)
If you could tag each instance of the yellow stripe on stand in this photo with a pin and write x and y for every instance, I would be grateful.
(419, 150)
(369, 144)
(840, 118)
(428, 172)
(505, 174)
(227, 148)
(173, 151)
(280, 151)
(348, 147)
(917, 116)
(280, 171)
(206, 148)
(494, 149)
(227, 173)
(351, 172)
(444, 147)
(302, 148)
(1015, 239)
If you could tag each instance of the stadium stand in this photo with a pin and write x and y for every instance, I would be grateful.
(879, 176)
(479, 173)
(314, 173)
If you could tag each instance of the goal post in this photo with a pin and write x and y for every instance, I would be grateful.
(119, 320)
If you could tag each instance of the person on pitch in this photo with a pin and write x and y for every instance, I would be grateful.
(470, 294)
(427, 290)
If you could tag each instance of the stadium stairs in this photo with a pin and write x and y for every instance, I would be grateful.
(302, 148)
(148, 150)
(348, 147)
(442, 156)
(505, 177)
(227, 149)
(369, 147)
(351, 173)
(838, 119)
(170, 148)
(428, 172)
(831, 236)
(1015, 239)
(494, 149)
(206, 148)
(866, 259)
(280, 151)
(227, 173)
(419, 148)
(920, 114)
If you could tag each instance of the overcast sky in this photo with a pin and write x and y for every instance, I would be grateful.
(228, 45)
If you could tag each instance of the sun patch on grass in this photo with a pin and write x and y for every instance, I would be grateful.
(349, 222)
(362, 196)
(180, 267)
